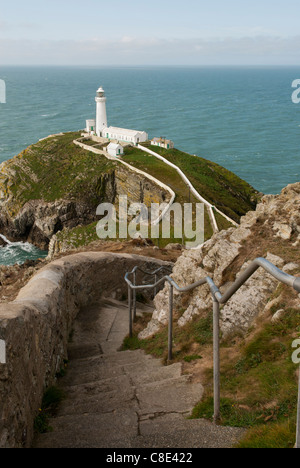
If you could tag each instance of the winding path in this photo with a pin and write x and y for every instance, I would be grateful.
(209, 206)
(193, 190)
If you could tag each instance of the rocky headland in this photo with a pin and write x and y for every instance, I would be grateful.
(273, 232)
(48, 196)
(55, 186)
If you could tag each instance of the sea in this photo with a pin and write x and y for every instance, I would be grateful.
(241, 118)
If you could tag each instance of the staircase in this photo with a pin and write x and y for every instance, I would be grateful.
(125, 399)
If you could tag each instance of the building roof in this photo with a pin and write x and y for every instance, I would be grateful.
(161, 140)
(114, 146)
(122, 131)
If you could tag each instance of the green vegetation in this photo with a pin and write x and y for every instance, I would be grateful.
(50, 403)
(198, 331)
(259, 388)
(78, 236)
(221, 221)
(259, 383)
(170, 177)
(62, 372)
(274, 435)
(230, 194)
(55, 168)
(195, 357)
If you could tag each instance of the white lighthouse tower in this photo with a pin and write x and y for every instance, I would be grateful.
(111, 134)
(101, 117)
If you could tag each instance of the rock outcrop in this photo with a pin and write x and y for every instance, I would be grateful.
(3, 242)
(55, 185)
(272, 231)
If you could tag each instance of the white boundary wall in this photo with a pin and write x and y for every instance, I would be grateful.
(144, 174)
(193, 190)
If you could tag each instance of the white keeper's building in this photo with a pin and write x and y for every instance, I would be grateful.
(100, 128)
(114, 149)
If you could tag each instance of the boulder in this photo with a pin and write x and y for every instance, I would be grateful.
(174, 247)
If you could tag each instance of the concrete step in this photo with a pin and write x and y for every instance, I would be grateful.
(149, 372)
(166, 431)
(84, 350)
(78, 375)
(90, 430)
(116, 358)
(103, 367)
(169, 396)
(174, 431)
(125, 399)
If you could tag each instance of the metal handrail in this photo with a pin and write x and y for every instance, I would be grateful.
(218, 298)
(145, 272)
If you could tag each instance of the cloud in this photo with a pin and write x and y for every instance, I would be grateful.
(18, 26)
(132, 51)
(4, 26)
(127, 40)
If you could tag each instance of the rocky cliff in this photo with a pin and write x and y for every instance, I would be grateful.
(273, 232)
(54, 185)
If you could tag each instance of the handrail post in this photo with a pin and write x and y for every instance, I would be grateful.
(134, 296)
(216, 332)
(130, 311)
(170, 340)
(218, 298)
(298, 416)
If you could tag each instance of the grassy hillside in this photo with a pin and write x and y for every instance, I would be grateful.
(54, 169)
(222, 188)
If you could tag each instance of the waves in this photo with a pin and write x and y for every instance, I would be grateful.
(18, 252)
(49, 116)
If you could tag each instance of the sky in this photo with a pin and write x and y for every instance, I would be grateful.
(156, 32)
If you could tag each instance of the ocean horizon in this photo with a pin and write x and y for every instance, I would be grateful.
(242, 118)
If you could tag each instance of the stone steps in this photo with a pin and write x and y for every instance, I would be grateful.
(125, 399)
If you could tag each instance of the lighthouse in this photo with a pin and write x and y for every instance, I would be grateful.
(111, 134)
(101, 117)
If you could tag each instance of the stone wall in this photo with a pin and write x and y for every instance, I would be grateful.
(36, 329)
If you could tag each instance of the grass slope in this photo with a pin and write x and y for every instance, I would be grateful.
(54, 169)
(222, 188)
